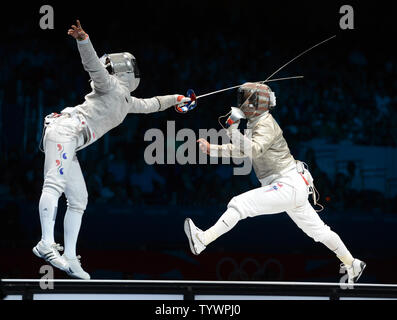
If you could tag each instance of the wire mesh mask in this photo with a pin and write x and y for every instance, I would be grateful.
(123, 64)
(255, 99)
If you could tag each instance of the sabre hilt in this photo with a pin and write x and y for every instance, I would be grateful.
(185, 107)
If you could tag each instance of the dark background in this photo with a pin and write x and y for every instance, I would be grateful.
(133, 226)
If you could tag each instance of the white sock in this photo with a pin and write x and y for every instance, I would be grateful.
(225, 223)
(48, 207)
(334, 243)
(71, 228)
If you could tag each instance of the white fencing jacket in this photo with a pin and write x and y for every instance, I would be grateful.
(110, 100)
(263, 143)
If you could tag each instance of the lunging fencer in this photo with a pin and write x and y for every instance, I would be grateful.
(286, 182)
(113, 78)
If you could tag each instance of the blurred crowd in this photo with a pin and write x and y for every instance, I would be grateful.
(345, 95)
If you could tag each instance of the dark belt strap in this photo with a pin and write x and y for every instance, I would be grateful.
(86, 135)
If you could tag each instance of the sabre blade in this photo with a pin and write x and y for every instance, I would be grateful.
(286, 64)
(299, 55)
(274, 73)
(234, 87)
(280, 79)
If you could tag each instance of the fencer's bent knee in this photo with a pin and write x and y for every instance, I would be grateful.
(326, 236)
(236, 205)
(52, 188)
(53, 191)
(78, 202)
(231, 217)
(320, 235)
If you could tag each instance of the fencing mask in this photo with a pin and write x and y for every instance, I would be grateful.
(255, 99)
(123, 65)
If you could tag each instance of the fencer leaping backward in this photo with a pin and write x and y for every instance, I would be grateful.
(286, 182)
(113, 78)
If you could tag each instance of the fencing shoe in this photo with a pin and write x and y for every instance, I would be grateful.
(50, 253)
(194, 235)
(75, 270)
(355, 270)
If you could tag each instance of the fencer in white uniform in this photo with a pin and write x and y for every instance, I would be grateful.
(286, 182)
(113, 78)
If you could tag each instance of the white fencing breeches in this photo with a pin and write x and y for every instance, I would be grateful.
(62, 172)
(288, 193)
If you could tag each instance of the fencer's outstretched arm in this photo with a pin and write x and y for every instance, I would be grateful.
(90, 60)
(156, 104)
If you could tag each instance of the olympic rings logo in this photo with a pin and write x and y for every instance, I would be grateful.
(249, 269)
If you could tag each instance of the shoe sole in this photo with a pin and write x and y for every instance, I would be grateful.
(75, 276)
(39, 255)
(362, 265)
(188, 233)
(70, 273)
